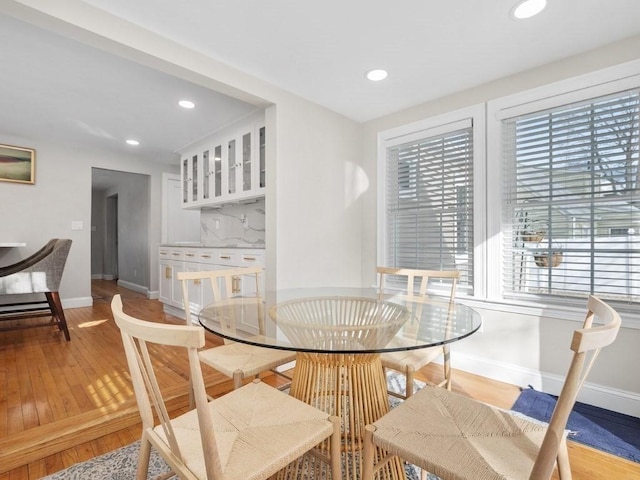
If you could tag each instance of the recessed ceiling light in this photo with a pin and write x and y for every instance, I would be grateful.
(377, 75)
(528, 8)
(133, 142)
(186, 104)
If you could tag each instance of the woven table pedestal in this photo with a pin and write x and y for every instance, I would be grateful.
(353, 388)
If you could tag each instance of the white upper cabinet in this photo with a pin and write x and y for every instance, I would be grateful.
(226, 167)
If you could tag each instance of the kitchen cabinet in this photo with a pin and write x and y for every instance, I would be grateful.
(227, 167)
(174, 259)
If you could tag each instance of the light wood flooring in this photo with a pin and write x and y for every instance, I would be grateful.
(65, 402)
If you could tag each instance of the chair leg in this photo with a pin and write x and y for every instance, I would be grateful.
(368, 451)
(192, 399)
(238, 376)
(53, 299)
(143, 458)
(335, 456)
(564, 469)
(410, 374)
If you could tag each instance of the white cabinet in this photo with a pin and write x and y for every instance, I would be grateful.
(226, 167)
(192, 259)
(171, 261)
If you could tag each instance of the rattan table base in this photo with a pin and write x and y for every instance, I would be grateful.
(352, 387)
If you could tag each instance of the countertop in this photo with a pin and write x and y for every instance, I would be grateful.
(200, 245)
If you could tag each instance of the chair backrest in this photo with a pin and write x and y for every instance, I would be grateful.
(586, 345)
(449, 279)
(222, 283)
(40, 272)
(136, 334)
(30, 260)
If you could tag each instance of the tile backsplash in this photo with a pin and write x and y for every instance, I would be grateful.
(238, 225)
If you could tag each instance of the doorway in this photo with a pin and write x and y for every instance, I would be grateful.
(111, 246)
(120, 216)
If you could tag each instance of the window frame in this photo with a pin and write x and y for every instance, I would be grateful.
(488, 202)
(440, 124)
(583, 88)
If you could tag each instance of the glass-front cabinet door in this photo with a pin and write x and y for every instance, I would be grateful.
(246, 162)
(262, 173)
(228, 166)
(232, 167)
(217, 169)
(206, 174)
(184, 171)
(194, 178)
(190, 172)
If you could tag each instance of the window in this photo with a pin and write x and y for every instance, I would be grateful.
(428, 207)
(571, 221)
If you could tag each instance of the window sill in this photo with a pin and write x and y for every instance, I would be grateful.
(573, 311)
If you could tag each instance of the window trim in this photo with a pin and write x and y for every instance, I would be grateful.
(430, 127)
(585, 87)
(488, 203)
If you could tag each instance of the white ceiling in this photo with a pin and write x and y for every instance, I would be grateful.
(317, 50)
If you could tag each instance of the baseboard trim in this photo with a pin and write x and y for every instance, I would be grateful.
(601, 396)
(77, 302)
(133, 286)
(177, 312)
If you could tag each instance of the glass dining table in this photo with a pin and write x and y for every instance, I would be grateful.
(339, 334)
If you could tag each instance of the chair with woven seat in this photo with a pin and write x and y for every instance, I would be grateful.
(458, 438)
(248, 434)
(408, 361)
(40, 273)
(235, 360)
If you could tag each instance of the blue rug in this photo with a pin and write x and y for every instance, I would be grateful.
(596, 427)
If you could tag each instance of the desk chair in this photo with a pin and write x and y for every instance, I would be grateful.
(408, 361)
(38, 273)
(458, 438)
(235, 360)
(248, 434)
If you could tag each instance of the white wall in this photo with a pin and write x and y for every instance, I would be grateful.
(62, 194)
(313, 207)
(318, 208)
(515, 348)
(321, 198)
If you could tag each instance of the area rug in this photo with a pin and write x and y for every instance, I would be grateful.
(121, 463)
(596, 427)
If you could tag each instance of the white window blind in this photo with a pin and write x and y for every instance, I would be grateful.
(429, 204)
(572, 216)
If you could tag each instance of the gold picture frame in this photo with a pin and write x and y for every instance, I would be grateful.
(17, 164)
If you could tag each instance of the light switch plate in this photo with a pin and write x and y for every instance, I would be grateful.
(76, 225)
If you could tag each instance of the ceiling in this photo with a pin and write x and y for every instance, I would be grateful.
(68, 92)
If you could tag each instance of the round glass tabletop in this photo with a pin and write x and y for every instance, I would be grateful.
(340, 320)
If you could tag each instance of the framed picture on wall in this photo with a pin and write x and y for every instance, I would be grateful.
(17, 164)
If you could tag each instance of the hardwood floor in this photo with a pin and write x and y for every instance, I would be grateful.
(65, 402)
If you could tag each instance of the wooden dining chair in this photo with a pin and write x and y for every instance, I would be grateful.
(458, 438)
(235, 360)
(417, 284)
(250, 433)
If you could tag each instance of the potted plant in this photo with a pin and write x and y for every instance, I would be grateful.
(545, 259)
(530, 230)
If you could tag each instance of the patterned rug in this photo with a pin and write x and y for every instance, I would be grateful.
(121, 464)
